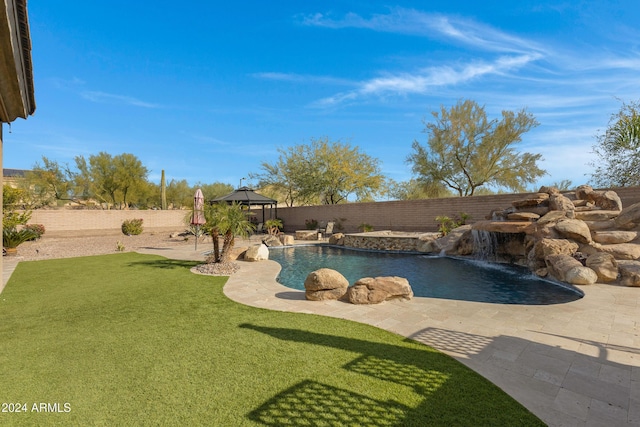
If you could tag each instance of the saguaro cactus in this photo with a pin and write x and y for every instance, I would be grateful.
(163, 192)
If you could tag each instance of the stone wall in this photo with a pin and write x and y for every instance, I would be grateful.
(411, 215)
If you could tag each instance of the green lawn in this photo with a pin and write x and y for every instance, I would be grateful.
(130, 339)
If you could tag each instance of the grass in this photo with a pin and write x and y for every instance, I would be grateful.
(130, 339)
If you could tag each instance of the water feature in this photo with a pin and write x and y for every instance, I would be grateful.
(429, 276)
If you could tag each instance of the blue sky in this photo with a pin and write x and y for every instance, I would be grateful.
(208, 90)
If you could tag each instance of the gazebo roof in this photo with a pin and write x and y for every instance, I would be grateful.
(246, 196)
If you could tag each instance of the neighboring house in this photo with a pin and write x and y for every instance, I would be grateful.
(12, 177)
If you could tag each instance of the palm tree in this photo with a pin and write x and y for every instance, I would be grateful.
(213, 214)
(232, 222)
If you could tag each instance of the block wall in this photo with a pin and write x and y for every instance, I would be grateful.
(412, 215)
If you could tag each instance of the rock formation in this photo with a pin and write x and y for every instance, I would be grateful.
(578, 237)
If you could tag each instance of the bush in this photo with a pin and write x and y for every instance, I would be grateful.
(12, 238)
(311, 224)
(447, 224)
(36, 229)
(132, 227)
(365, 228)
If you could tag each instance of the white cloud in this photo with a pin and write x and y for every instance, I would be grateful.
(410, 21)
(109, 98)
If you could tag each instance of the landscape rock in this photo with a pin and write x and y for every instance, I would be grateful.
(256, 253)
(337, 239)
(622, 250)
(369, 290)
(286, 239)
(552, 216)
(614, 237)
(604, 265)
(523, 216)
(601, 225)
(534, 200)
(558, 202)
(629, 273)
(629, 217)
(449, 243)
(574, 229)
(583, 191)
(596, 215)
(272, 241)
(567, 269)
(607, 200)
(546, 247)
(325, 284)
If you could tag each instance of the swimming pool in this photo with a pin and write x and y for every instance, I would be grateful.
(429, 276)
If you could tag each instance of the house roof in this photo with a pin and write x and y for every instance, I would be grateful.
(246, 196)
(14, 173)
(17, 94)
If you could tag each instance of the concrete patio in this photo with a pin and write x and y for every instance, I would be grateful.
(574, 364)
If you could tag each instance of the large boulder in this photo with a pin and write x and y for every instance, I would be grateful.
(622, 250)
(608, 200)
(449, 243)
(629, 273)
(614, 237)
(271, 241)
(574, 229)
(286, 239)
(533, 200)
(546, 247)
(596, 215)
(369, 290)
(558, 202)
(605, 266)
(552, 217)
(629, 217)
(567, 269)
(336, 239)
(325, 284)
(256, 253)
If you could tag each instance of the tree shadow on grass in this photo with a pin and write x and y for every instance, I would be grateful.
(166, 263)
(451, 393)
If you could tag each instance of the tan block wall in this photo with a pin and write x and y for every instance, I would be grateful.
(63, 221)
(412, 215)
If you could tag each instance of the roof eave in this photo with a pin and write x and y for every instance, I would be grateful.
(17, 95)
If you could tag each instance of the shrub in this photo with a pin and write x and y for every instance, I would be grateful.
(12, 238)
(447, 224)
(273, 226)
(365, 228)
(37, 229)
(132, 227)
(311, 224)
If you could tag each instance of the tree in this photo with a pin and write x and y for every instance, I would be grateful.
(111, 179)
(232, 221)
(179, 194)
(467, 151)
(618, 149)
(215, 190)
(415, 189)
(323, 171)
(49, 182)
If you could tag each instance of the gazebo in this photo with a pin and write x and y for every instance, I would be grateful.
(247, 197)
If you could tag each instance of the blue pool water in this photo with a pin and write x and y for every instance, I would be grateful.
(429, 276)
